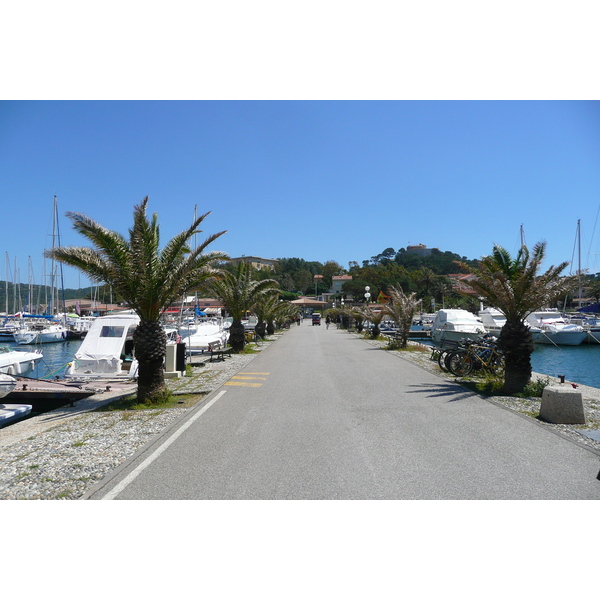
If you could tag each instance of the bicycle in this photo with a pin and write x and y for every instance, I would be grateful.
(475, 356)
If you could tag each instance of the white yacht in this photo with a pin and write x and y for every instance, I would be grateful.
(493, 320)
(455, 324)
(198, 337)
(7, 384)
(550, 327)
(41, 333)
(18, 362)
(107, 349)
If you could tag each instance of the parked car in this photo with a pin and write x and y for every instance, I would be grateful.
(316, 319)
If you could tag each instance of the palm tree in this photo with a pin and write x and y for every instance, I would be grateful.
(401, 309)
(148, 279)
(280, 314)
(239, 293)
(515, 287)
(375, 316)
(267, 310)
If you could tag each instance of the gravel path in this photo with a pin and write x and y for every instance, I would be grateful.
(62, 454)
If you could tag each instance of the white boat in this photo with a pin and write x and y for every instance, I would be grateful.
(591, 325)
(41, 333)
(455, 324)
(18, 362)
(203, 333)
(7, 384)
(493, 320)
(107, 350)
(12, 412)
(8, 329)
(550, 327)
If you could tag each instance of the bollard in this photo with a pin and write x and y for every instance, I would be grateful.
(562, 405)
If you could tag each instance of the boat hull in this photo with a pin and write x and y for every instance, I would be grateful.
(205, 335)
(439, 336)
(17, 362)
(559, 338)
(45, 336)
(7, 385)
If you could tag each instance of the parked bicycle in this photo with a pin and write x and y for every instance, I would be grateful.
(481, 354)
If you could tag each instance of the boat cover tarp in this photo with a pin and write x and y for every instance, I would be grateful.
(592, 308)
(101, 349)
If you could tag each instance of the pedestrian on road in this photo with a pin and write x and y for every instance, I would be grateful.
(327, 321)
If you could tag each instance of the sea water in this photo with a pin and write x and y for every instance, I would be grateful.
(577, 363)
(580, 364)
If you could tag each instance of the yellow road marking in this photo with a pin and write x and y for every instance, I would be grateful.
(254, 373)
(241, 380)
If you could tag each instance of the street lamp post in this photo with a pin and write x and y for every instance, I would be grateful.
(367, 294)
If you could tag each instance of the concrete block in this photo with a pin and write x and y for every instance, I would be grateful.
(172, 374)
(562, 404)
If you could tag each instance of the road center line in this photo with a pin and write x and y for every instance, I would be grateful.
(125, 482)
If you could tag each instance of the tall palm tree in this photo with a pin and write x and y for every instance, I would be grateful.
(401, 309)
(239, 293)
(147, 277)
(515, 287)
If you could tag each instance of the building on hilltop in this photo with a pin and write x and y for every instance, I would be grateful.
(420, 250)
(256, 262)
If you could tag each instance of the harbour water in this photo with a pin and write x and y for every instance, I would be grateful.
(577, 363)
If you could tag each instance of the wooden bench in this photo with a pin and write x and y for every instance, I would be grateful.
(218, 353)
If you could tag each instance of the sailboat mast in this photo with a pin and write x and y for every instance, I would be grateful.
(52, 266)
(579, 257)
(6, 282)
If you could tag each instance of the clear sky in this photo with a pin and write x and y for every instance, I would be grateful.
(328, 133)
(319, 180)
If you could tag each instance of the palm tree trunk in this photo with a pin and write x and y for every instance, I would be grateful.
(260, 328)
(150, 347)
(237, 339)
(516, 343)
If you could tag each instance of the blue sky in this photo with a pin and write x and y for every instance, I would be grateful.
(320, 180)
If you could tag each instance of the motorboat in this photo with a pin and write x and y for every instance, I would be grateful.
(550, 327)
(107, 349)
(493, 320)
(18, 362)
(7, 384)
(591, 325)
(207, 332)
(455, 324)
(8, 328)
(41, 333)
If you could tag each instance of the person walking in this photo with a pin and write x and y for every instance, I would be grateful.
(327, 321)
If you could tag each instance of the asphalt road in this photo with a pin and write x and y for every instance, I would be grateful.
(321, 414)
